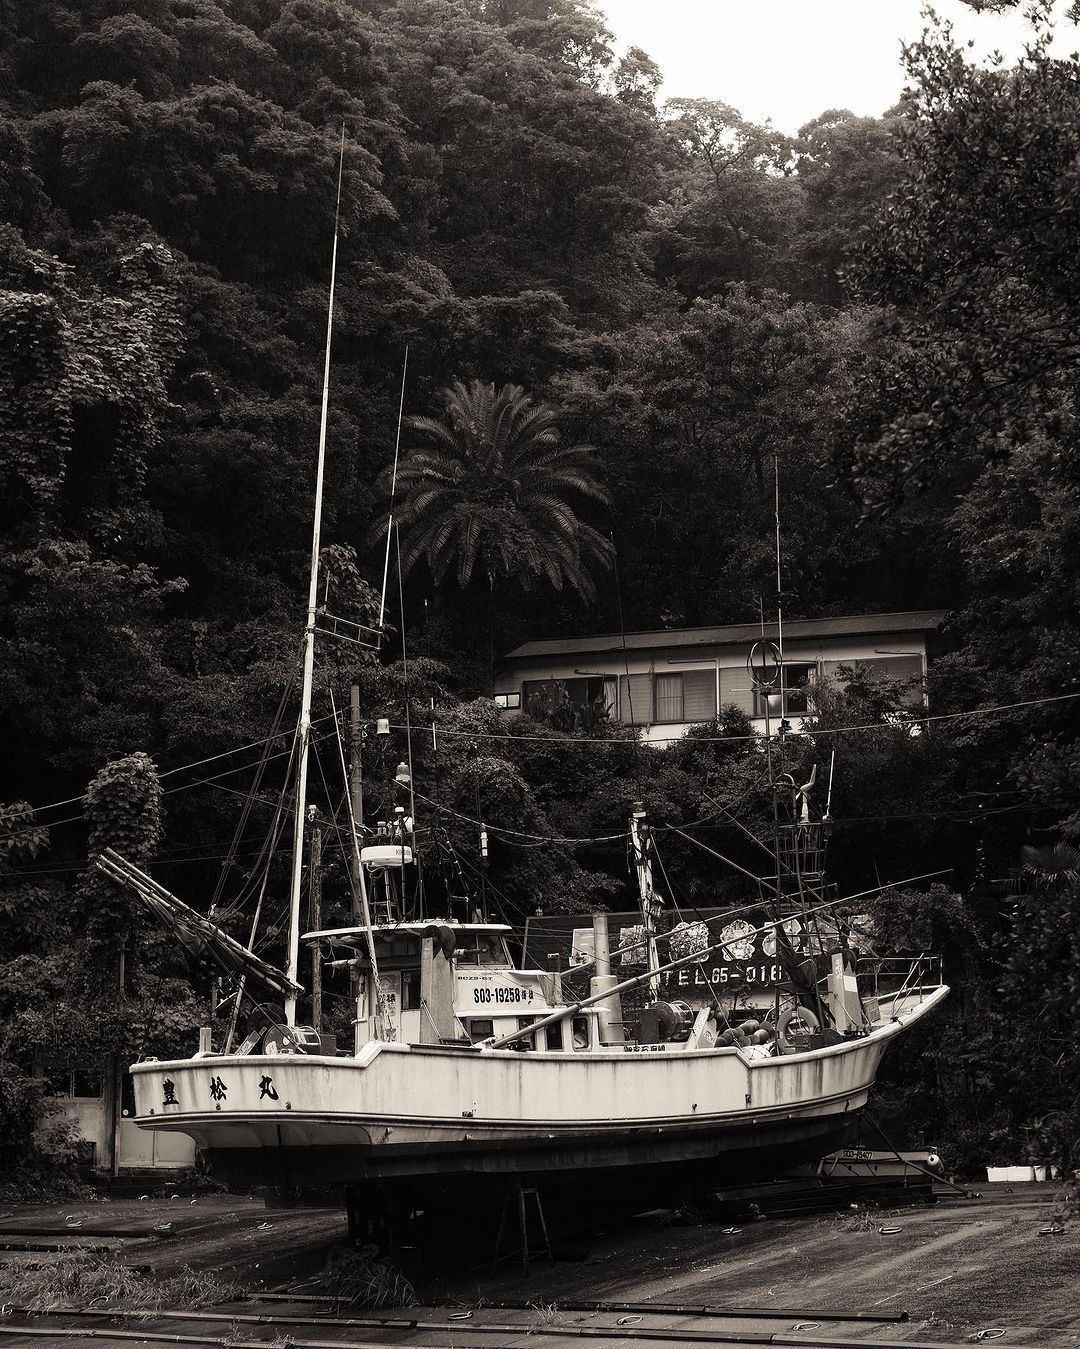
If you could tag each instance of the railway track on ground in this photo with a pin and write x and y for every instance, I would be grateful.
(299, 1326)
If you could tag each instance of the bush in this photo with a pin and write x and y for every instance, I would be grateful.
(39, 1149)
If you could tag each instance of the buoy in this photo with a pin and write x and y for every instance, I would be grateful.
(796, 1026)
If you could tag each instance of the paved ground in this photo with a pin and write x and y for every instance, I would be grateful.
(959, 1268)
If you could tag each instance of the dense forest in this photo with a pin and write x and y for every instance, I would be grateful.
(624, 322)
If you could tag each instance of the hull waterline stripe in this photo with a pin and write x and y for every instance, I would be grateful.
(748, 1115)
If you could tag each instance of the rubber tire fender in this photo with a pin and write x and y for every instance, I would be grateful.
(803, 1014)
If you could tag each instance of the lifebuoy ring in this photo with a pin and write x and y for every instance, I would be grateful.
(790, 1043)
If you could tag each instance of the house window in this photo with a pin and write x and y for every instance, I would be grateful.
(798, 686)
(669, 697)
(511, 701)
(572, 704)
(77, 1085)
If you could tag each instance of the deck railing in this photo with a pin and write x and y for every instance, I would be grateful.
(889, 975)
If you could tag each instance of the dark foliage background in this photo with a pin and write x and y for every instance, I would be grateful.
(881, 310)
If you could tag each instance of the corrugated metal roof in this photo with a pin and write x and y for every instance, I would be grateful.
(738, 634)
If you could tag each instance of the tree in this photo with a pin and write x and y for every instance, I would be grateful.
(494, 489)
(963, 405)
(731, 204)
(974, 261)
(692, 412)
(846, 166)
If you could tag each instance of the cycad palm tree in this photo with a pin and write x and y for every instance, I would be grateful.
(490, 491)
(1054, 867)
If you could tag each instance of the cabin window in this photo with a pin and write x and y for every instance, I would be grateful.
(410, 990)
(554, 1035)
(668, 691)
(487, 951)
(525, 1040)
(481, 1030)
(580, 1032)
(511, 701)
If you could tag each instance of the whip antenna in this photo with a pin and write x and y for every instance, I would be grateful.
(393, 491)
(779, 585)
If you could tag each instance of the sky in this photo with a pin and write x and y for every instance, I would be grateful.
(790, 60)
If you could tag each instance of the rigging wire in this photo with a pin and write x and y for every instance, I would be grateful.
(405, 680)
(251, 797)
(180, 768)
(186, 786)
(671, 891)
(507, 904)
(266, 854)
(390, 523)
(540, 838)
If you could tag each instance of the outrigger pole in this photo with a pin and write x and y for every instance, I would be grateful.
(304, 729)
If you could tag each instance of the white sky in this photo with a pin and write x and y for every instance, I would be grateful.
(790, 60)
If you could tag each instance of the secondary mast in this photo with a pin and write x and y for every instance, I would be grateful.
(651, 903)
(304, 726)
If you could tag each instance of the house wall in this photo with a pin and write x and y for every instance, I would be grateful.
(711, 671)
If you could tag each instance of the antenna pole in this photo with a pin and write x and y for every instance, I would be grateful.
(315, 911)
(304, 730)
(356, 788)
(650, 903)
(779, 590)
(828, 798)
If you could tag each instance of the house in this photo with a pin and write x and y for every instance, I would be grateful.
(669, 680)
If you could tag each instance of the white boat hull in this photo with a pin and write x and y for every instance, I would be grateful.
(399, 1111)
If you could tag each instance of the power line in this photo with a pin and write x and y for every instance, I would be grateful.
(739, 739)
(183, 768)
(211, 781)
(581, 740)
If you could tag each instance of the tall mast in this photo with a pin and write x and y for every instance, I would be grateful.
(304, 729)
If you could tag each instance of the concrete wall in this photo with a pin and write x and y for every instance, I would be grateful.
(137, 1149)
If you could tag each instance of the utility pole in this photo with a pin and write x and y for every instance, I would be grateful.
(356, 793)
(315, 918)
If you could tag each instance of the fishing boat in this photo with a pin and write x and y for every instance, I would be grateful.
(465, 1065)
(467, 1069)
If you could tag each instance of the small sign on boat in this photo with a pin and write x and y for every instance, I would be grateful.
(492, 989)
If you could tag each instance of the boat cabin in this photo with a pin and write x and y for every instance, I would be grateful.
(447, 982)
